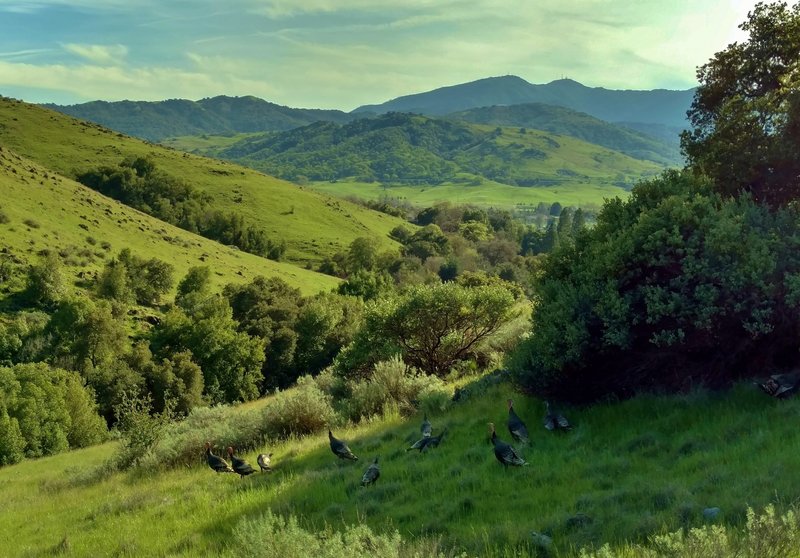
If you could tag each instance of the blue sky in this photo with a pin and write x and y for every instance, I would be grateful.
(345, 53)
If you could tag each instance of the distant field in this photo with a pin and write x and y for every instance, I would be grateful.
(206, 144)
(489, 194)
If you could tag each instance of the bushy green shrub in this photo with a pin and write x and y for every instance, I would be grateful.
(140, 427)
(302, 410)
(182, 442)
(766, 535)
(273, 535)
(49, 408)
(393, 384)
(673, 287)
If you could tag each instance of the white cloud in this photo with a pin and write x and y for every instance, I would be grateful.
(107, 55)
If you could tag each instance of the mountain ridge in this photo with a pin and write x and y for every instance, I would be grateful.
(657, 106)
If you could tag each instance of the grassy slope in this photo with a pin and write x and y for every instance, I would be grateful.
(636, 467)
(488, 194)
(61, 208)
(581, 173)
(312, 224)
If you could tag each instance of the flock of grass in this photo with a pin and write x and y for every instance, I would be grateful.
(627, 470)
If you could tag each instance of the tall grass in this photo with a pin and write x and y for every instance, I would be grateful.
(628, 471)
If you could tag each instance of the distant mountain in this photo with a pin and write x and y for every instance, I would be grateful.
(402, 148)
(157, 120)
(561, 120)
(658, 106)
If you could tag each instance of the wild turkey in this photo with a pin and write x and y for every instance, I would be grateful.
(264, 461)
(427, 442)
(216, 462)
(516, 427)
(340, 449)
(553, 420)
(426, 427)
(780, 386)
(371, 474)
(433, 441)
(504, 453)
(240, 466)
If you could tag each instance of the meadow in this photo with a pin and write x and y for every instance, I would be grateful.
(46, 211)
(313, 225)
(626, 471)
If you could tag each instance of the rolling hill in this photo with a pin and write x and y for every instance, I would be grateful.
(659, 106)
(313, 225)
(399, 148)
(157, 120)
(46, 211)
(564, 121)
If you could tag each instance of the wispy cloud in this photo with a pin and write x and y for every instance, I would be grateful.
(27, 53)
(99, 54)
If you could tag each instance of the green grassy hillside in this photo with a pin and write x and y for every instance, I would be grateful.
(47, 211)
(560, 120)
(312, 224)
(487, 194)
(627, 470)
(411, 149)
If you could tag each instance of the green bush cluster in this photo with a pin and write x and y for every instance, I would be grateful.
(673, 287)
(394, 384)
(766, 535)
(45, 410)
(273, 535)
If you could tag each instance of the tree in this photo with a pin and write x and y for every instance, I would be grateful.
(194, 287)
(432, 326)
(45, 281)
(362, 254)
(746, 113)
(230, 359)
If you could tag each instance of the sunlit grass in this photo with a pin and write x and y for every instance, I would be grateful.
(627, 470)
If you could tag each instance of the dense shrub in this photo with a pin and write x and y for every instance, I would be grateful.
(767, 535)
(48, 409)
(302, 410)
(672, 288)
(393, 384)
(272, 535)
(432, 327)
(45, 281)
(140, 428)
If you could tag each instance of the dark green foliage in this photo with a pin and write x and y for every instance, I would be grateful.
(268, 309)
(431, 326)
(222, 115)
(175, 382)
(113, 283)
(325, 324)
(146, 280)
(746, 113)
(194, 287)
(230, 360)
(672, 288)
(138, 183)
(367, 285)
(141, 428)
(45, 282)
(49, 408)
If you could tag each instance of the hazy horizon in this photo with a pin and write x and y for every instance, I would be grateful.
(346, 53)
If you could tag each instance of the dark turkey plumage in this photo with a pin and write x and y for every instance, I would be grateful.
(216, 462)
(554, 420)
(240, 466)
(781, 386)
(371, 474)
(427, 442)
(264, 461)
(340, 449)
(516, 427)
(504, 453)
